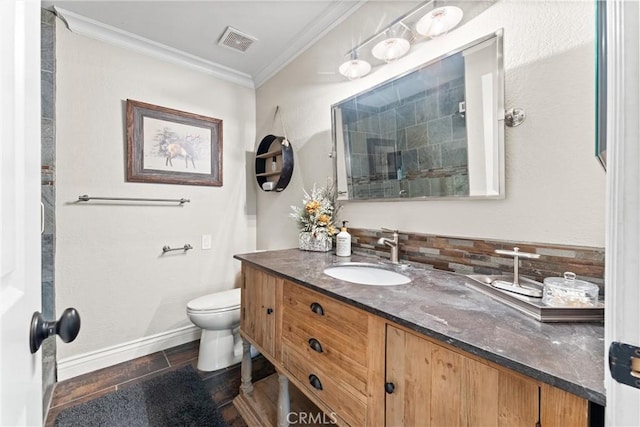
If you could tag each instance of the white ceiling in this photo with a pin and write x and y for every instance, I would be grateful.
(187, 31)
(191, 29)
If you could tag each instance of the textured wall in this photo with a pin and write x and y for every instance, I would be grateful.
(555, 187)
(109, 262)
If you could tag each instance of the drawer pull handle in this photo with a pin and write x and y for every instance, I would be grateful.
(269, 310)
(317, 308)
(389, 387)
(315, 382)
(315, 345)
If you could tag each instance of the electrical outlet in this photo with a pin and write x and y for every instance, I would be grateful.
(206, 241)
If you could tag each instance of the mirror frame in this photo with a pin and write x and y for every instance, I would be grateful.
(601, 82)
(500, 112)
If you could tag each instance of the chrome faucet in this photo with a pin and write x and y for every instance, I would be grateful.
(392, 243)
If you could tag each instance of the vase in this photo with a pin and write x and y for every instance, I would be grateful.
(307, 242)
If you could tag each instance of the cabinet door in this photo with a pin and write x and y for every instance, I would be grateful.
(259, 309)
(433, 386)
(562, 409)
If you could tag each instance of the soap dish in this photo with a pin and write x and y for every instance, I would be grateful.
(567, 291)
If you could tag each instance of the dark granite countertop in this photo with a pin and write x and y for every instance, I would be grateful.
(441, 305)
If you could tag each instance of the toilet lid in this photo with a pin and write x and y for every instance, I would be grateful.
(217, 301)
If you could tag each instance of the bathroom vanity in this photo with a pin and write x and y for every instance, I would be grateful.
(431, 352)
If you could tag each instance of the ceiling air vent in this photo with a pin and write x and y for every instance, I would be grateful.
(236, 40)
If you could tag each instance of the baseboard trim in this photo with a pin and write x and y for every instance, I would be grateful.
(88, 362)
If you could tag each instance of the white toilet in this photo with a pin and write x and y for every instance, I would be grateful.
(218, 315)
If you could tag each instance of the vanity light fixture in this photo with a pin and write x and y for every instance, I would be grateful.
(394, 41)
(394, 45)
(439, 21)
(355, 67)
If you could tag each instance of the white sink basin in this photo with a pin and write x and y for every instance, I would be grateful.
(366, 274)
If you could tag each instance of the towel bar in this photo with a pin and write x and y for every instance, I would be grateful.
(185, 248)
(85, 198)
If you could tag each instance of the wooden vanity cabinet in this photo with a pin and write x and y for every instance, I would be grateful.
(428, 384)
(260, 310)
(561, 409)
(363, 370)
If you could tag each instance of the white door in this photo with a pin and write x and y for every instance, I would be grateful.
(20, 371)
(622, 279)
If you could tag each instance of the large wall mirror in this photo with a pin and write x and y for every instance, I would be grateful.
(435, 132)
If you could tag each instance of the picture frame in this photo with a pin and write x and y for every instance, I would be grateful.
(168, 146)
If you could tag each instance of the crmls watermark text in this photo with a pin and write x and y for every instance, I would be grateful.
(302, 418)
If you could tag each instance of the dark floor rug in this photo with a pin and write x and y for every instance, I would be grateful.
(177, 398)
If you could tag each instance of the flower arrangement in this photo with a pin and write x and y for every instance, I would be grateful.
(316, 216)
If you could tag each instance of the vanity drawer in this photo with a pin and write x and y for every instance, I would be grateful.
(342, 322)
(335, 391)
(326, 348)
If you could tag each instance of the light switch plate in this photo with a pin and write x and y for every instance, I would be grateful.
(206, 241)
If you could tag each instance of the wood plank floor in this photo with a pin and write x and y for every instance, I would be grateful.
(223, 384)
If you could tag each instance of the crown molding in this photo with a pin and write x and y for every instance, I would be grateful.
(335, 14)
(97, 30)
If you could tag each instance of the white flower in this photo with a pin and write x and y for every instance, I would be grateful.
(317, 213)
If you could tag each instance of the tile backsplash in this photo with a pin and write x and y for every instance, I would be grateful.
(465, 255)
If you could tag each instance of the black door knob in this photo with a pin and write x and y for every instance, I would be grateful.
(67, 327)
(269, 310)
(389, 387)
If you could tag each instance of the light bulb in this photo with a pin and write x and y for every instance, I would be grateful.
(437, 27)
(391, 49)
(354, 68)
(439, 21)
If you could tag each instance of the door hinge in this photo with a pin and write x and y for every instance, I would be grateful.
(624, 363)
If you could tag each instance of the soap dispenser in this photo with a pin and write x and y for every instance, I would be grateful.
(343, 241)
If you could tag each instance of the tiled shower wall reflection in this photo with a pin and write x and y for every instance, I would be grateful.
(48, 160)
(408, 137)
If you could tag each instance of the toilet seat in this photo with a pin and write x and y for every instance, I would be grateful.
(216, 303)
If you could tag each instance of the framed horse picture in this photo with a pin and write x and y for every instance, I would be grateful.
(172, 147)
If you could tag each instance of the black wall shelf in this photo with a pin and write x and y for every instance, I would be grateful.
(274, 162)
